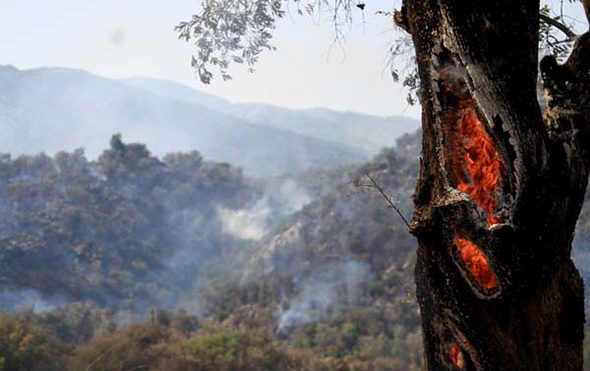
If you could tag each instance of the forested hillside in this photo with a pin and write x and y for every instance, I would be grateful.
(120, 231)
(178, 263)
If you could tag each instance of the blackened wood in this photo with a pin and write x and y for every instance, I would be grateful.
(533, 318)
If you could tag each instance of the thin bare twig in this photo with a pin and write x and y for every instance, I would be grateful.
(374, 184)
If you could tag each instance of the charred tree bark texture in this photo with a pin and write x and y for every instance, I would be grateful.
(500, 189)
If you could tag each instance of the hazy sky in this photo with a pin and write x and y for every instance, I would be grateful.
(124, 38)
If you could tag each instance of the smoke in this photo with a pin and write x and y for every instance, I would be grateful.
(292, 197)
(28, 299)
(246, 224)
(330, 288)
(253, 223)
(199, 255)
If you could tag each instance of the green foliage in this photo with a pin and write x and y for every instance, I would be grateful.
(229, 31)
(161, 348)
(184, 322)
(128, 163)
(24, 346)
(170, 347)
(217, 350)
(226, 350)
(77, 322)
(136, 346)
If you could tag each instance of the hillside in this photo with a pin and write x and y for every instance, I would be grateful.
(132, 231)
(366, 132)
(123, 231)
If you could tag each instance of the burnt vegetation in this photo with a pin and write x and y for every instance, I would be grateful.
(90, 252)
(95, 241)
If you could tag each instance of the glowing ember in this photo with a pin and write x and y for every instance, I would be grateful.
(455, 355)
(476, 262)
(480, 176)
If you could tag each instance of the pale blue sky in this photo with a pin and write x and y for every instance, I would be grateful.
(124, 38)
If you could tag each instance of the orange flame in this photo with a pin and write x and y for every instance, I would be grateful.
(455, 355)
(476, 262)
(480, 176)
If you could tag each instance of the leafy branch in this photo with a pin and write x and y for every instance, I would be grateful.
(227, 32)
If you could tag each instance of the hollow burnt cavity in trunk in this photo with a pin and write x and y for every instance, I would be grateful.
(470, 155)
(500, 188)
(471, 164)
(456, 356)
(476, 263)
(453, 351)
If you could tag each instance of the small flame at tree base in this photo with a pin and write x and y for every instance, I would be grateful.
(476, 263)
(455, 355)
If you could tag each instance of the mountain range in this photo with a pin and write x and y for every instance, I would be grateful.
(57, 109)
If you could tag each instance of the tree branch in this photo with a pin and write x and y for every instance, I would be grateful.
(375, 184)
(560, 26)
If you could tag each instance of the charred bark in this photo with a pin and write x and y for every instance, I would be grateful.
(501, 187)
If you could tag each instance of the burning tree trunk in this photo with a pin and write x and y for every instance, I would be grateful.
(501, 186)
